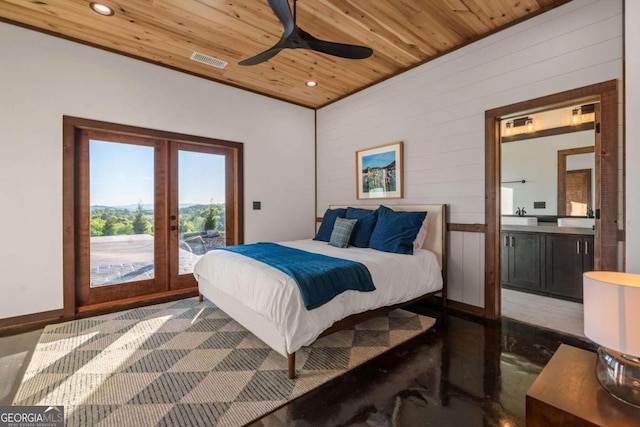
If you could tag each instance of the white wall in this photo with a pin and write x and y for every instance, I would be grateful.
(437, 109)
(43, 78)
(536, 161)
(632, 98)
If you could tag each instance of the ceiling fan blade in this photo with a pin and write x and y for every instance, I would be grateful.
(342, 50)
(262, 57)
(283, 12)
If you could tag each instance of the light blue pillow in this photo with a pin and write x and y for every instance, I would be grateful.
(329, 218)
(395, 231)
(342, 232)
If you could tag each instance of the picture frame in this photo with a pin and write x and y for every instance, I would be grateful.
(380, 172)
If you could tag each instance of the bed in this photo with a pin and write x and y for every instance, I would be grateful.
(267, 302)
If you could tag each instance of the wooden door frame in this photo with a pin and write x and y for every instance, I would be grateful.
(562, 169)
(72, 127)
(123, 290)
(231, 188)
(606, 169)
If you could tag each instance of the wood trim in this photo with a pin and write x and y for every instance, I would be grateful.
(139, 301)
(621, 235)
(315, 169)
(146, 133)
(561, 130)
(466, 308)
(606, 145)
(467, 228)
(238, 158)
(492, 180)
(68, 219)
(562, 167)
(606, 256)
(453, 226)
(30, 322)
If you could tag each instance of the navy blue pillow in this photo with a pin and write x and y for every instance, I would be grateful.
(361, 234)
(328, 220)
(396, 231)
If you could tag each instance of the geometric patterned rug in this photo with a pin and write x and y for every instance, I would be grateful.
(187, 363)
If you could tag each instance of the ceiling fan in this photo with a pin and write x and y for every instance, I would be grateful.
(295, 38)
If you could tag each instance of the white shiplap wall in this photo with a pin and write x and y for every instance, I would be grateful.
(437, 109)
(43, 78)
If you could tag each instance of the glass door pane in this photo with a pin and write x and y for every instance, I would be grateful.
(121, 200)
(201, 206)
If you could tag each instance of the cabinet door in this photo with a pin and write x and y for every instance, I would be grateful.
(504, 257)
(587, 254)
(524, 260)
(564, 265)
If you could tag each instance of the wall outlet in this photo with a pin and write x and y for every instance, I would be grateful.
(257, 206)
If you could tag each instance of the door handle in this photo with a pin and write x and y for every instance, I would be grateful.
(586, 247)
(172, 217)
(506, 240)
(578, 246)
(512, 241)
(173, 228)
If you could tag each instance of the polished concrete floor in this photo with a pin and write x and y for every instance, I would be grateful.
(463, 372)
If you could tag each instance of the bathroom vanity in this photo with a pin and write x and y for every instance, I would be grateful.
(546, 259)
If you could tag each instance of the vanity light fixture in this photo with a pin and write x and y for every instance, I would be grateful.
(311, 83)
(101, 9)
(529, 124)
(507, 128)
(511, 125)
(576, 116)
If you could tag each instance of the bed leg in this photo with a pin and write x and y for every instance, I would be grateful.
(291, 358)
(200, 297)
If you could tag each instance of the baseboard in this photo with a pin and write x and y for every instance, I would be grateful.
(125, 304)
(474, 310)
(29, 322)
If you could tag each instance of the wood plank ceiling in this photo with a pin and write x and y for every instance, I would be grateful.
(402, 34)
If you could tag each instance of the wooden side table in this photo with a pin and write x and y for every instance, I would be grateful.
(567, 393)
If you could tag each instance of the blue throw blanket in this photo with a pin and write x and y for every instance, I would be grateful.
(319, 277)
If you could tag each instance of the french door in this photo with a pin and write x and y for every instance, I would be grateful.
(147, 206)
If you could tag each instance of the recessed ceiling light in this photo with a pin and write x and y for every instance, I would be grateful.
(311, 83)
(102, 9)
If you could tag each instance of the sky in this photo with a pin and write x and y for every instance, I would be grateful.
(122, 174)
(379, 159)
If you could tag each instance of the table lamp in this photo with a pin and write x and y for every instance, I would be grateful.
(612, 320)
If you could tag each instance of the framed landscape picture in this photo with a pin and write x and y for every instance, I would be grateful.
(379, 172)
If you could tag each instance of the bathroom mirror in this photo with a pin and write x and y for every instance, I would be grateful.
(549, 175)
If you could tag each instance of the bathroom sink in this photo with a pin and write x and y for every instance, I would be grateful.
(576, 222)
(519, 220)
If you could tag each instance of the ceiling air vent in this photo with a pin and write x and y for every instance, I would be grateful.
(209, 60)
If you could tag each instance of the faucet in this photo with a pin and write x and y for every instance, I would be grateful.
(521, 212)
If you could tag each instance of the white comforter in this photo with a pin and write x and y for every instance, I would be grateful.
(275, 295)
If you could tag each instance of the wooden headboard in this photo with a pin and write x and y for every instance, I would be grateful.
(436, 240)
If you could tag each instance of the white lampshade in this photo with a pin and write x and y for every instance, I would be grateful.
(612, 310)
